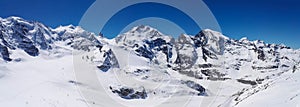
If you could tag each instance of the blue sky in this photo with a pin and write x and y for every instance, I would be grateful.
(274, 21)
(137, 11)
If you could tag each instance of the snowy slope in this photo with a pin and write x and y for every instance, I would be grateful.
(39, 82)
(70, 67)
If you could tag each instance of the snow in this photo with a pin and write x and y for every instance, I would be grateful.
(283, 92)
(67, 75)
(31, 83)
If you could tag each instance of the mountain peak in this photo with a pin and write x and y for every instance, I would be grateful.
(145, 30)
(70, 29)
(63, 28)
(141, 33)
(213, 40)
(211, 33)
(14, 18)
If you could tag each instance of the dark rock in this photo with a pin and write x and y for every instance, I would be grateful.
(109, 62)
(99, 47)
(130, 93)
(205, 65)
(267, 67)
(4, 53)
(261, 55)
(143, 51)
(26, 44)
(218, 78)
(284, 65)
(247, 82)
(212, 73)
(207, 54)
(259, 80)
(195, 86)
(159, 44)
(32, 50)
(75, 82)
(139, 72)
(155, 43)
(104, 67)
(294, 69)
(260, 52)
(200, 39)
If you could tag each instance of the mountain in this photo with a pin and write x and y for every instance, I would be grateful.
(49, 66)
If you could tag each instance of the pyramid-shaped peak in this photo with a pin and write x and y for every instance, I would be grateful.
(143, 29)
(14, 18)
(211, 34)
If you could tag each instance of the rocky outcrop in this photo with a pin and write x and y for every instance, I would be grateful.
(130, 93)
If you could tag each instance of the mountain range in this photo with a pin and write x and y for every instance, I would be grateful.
(37, 68)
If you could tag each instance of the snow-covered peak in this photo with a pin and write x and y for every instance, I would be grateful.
(69, 29)
(213, 40)
(183, 38)
(14, 18)
(64, 28)
(140, 34)
(35, 38)
(144, 31)
(11, 21)
(259, 43)
(214, 34)
(244, 39)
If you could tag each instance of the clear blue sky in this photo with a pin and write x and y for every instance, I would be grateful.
(274, 21)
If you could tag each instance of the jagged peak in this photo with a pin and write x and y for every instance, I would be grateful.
(141, 33)
(184, 35)
(244, 38)
(146, 30)
(69, 28)
(184, 38)
(14, 18)
(211, 34)
(212, 40)
(66, 27)
(143, 28)
(19, 20)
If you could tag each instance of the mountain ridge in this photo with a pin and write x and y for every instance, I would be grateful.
(185, 64)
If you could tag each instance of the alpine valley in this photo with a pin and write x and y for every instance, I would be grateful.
(70, 67)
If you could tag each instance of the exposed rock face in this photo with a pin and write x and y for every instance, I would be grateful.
(211, 40)
(195, 86)
(186, 53)
(110, 61)
(4, 53)
(130, 93)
